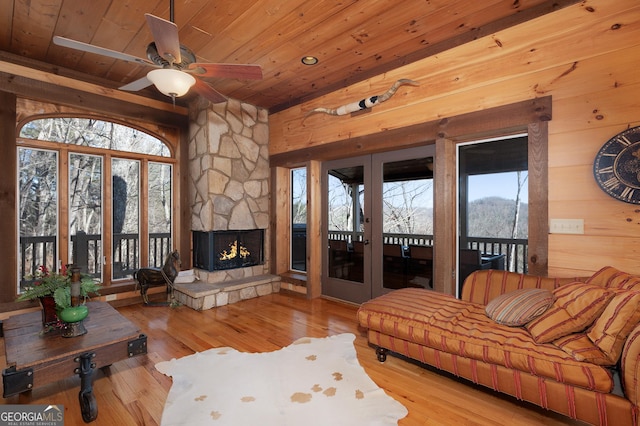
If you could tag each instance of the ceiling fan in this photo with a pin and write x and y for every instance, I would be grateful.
(176, 67)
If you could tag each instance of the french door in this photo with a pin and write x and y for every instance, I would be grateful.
(377, 212)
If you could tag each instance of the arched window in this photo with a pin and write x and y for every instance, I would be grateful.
(94, 193)
(93, 133)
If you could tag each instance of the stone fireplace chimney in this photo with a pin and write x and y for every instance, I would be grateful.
(229, 176)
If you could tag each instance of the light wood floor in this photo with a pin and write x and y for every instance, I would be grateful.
(132, 392)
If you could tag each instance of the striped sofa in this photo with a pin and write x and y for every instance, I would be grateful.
(590, 373)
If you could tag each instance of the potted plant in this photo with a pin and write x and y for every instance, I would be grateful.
(55, 288)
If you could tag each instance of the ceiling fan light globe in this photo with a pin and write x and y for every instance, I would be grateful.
(171, 82)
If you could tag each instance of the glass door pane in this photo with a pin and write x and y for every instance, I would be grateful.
(407, 223)
(347, 258)
(37, 212)
(160, 214)
(346, 227)
(125, 177)
(402, 219)
(85, 213)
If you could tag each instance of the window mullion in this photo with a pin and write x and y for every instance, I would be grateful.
(144, 212)
(107, 220)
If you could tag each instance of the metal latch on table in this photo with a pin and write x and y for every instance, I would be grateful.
(137, 346)
(16, 381)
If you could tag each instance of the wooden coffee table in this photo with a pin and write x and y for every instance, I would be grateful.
(35, 358)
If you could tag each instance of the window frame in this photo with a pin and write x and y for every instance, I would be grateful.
(64, 149)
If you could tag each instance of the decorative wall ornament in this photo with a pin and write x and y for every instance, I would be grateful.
(365, 103)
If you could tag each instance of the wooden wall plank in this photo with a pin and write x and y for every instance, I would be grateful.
(6, 23)
(314, 230)
(444, 217)
(578, 255)
(182, 212)
(8, 191)
(592, 110)
(280, 224)
(514, 117)
(564, 152)
(538, 180)
(602, 220)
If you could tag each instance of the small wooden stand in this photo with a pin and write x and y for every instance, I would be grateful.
(36, 359)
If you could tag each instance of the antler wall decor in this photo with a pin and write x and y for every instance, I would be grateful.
(364, 103)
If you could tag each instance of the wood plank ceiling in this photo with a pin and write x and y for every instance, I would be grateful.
(353, 40)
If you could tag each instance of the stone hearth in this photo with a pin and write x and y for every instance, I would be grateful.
(201, 296)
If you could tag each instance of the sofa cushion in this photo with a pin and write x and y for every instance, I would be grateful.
(442, 322)
(611, 277)
(518, 307)
(576, 306)
(610, 331)
(581, 348)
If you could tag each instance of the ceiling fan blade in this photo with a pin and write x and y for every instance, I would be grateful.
(90, 48)
(239, 71)
(165, 35)
(208, 92)
(139, 84)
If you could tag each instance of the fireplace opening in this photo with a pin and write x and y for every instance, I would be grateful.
(220, 250)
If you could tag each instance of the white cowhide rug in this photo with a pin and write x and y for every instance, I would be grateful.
(311, 382)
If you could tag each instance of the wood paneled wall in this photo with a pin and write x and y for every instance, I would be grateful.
(8, 186)
(586, 57)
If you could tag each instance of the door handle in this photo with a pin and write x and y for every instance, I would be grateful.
(366, 242)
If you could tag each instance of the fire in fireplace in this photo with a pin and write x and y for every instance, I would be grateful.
(219, 250)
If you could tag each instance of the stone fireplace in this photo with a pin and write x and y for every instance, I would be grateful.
(229, 192)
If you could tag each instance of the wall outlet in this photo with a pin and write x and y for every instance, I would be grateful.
(566, 226)
(110, 297)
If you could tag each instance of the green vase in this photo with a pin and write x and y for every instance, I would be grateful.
(73, 313)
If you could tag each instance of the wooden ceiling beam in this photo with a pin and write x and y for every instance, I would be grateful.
(44, 82)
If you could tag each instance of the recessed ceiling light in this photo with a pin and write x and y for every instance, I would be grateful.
(309, 60)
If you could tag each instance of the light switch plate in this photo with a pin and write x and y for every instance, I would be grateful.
(566, 226)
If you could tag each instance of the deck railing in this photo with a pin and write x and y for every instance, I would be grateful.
(86, 248)
(387, 238)
(514, 250)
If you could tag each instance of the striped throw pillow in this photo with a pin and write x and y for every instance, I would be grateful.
(613, 278)
(610, 331)
(519, 307)
(581, 348)
(575, 308)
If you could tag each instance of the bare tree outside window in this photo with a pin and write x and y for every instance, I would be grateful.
(38, 210)
(342, 204)
(299, 195)
(404, 207)
(159, 211)
(299, 219)
(93, 133)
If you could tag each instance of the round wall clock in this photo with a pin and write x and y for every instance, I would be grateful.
(617, 166)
